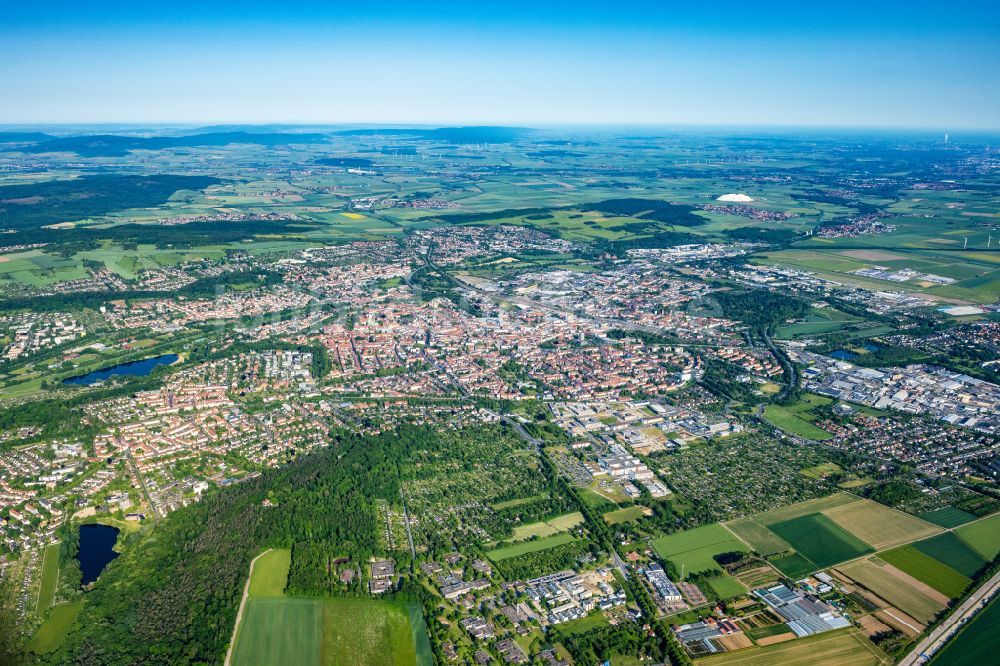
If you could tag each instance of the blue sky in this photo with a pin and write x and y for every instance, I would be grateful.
(905, 64)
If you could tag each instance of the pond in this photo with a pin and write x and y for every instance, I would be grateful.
(135, 368)
(96, 550)
(842, 354)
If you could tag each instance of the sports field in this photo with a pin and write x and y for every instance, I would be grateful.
(879, 525)
(926, 569)
(977, 643)
(820, 540)
(49, 578)
(545, 528)
(523, 547)
(270, 573)
(843, 647)
(693, 550)
(983, 535)
(899, 589)
(952, 551)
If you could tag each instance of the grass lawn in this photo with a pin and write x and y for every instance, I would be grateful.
(820, 540)
(843, 647)
(693, 550)
(583, 625)
(506, 552)
(52, 632)
(977, 643)
(983, 535)
(926, 569)
(625, 515)
(952, 551)
(49, 578)
(270, 573)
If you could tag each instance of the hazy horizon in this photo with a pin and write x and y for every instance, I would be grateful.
(895, 64)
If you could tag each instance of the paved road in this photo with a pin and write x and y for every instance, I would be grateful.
(937, 638)
(142, 483)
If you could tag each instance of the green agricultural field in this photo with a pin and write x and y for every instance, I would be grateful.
(270, 573)
(531, 546)
(280, 630)
(843, 647)
(977, 643)
(50, 635)
(983, 535)
(948, 517)
(549, 527)
(820, 540)
(692, 550)
(953, 552)
(49, 578)
(794, 566)
(880, 526)
(625, 515)
(901, 592)
(727, 587)
(806, 507)
(926, 569)
(761, 539)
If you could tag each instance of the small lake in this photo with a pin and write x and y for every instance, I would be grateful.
(842, 354)
(96, 550)
(135, 369)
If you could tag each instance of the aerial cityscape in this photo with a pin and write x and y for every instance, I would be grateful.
(612, 384)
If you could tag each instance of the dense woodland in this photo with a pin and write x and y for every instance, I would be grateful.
(142, 611)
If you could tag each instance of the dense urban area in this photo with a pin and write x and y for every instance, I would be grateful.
(488, 395)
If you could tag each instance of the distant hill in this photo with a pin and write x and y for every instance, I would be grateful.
(38, 204)
(115, 145)
(24, 137)
(471, 134)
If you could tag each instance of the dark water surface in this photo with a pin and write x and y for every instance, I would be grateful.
(96, 550)
(135, 368)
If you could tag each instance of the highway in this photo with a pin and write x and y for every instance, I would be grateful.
(939, 637)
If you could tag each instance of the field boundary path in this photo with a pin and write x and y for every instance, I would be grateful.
(243, 603)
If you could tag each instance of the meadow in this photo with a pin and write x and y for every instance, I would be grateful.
(625, 515)
(546, 528)
(49, 578)
(270, 573)
(530, 546)
(50, 635)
